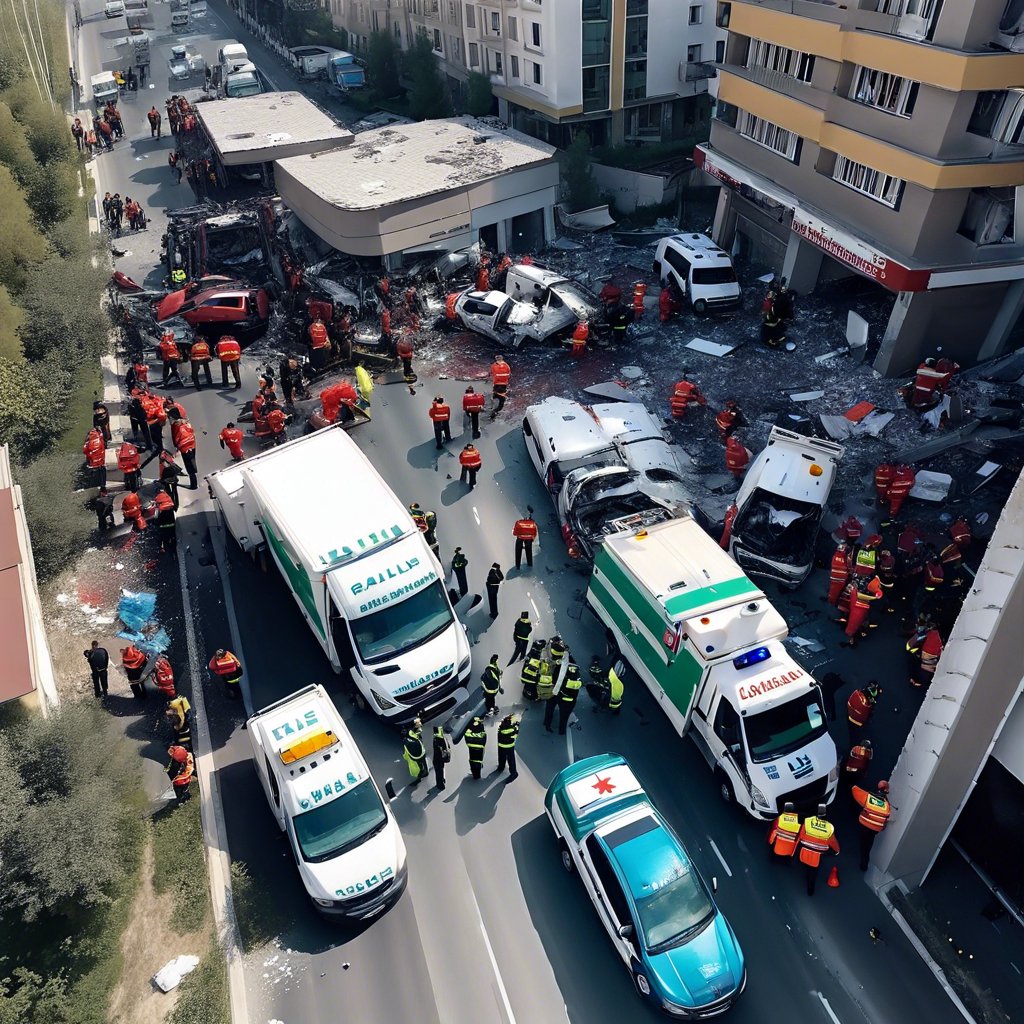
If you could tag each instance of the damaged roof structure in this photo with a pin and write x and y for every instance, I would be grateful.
(430, 186)
(270, 126)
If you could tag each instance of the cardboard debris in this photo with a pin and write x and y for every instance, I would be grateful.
(169, 976)
(859, 411)
(611, 390)
(806, 396)
(931, 486)
(710, 348)
(934, 416)
(840, 428)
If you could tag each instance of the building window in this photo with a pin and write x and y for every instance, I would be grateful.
(636, 37)
(634, 83)
(989, 217)
(595, 88)
(598, 10)
(453, 12)
(644, 123)
(474, 55)
(496, 22)
(883, 188)
(720, 51)
(891, 93)
(794, 63)
(722, 15)
(515, 66)
(636, 7)
(696, 14)
(922, 8)
(597, 39)
(494, 61)
(769, 135)
(437, 41)
(513, 28)
(470, 16)
(535, 34)
(999, 116)
(536, 72)
(693, 53)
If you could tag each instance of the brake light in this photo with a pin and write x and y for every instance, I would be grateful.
(570, 541)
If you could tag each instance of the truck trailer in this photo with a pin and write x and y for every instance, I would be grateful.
(359, 569)
(707, 643)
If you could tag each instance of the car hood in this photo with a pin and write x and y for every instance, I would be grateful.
(359, 870)
(707, 968)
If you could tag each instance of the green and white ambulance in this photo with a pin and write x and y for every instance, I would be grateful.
(708, 645)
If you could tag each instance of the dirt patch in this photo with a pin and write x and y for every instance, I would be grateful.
(147, 944)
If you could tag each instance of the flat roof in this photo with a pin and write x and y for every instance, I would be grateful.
(257, 129)
(402, 162)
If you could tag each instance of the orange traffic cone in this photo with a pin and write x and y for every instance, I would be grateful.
(833, 878)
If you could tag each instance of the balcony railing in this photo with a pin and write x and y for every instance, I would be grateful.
(696, 70)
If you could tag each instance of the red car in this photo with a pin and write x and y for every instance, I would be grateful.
(233, 305)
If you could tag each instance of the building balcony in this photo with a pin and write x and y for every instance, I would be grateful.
(696, 70)
(787, 85)
(819, 10)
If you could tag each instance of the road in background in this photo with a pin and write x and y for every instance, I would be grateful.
(491, 928)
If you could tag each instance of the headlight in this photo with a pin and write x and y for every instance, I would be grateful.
(382, 702)
(759, 798)
(323, 903)
(833, 775)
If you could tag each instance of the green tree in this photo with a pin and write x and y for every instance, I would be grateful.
(382, 65)
(11, 320)
(428, 93)
(580, 186)
(21, 244)
(479, 95)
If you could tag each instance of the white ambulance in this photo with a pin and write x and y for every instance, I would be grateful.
(345, 840)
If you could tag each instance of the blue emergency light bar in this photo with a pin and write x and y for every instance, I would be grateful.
(752, 657)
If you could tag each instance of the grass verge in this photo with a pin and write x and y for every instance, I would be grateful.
(203, 995)
(257, 912)
(983, 1006)
(179, 866)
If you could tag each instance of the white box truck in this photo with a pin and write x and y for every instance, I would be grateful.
(708, 645)
(360, 571)
(346, 842)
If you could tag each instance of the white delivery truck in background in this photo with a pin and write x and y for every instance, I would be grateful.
(708, 645)
(104, 88)
(345, 840)
(363, 576)
(243, 82)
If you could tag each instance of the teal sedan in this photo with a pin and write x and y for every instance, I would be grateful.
(657, 910)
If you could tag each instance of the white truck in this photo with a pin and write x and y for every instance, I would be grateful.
(708, 645)
(243, 82)
(104, 88)
(312, 61)
(345, 840)
(364, 578)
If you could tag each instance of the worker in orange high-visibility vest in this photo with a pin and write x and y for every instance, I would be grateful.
(784, 833)
(133, 661)
(685, 394)
(884, 473)
(501, 375)
(817, 836)
(229, 352)
(874, 816)
(440, 414)
(163, 677)
(228, 668)
(470, 461)
(473, 403)
(579, 338)
(839, 572)
(866, 593)
(525, 532)
(737, 458)
(131, 509)
(901, 485)
(231, 438)
(319, 344)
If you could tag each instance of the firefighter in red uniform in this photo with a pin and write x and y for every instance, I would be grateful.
(579, 338)
(817, 837)
(167, 349)
(525, 533)
(129, 464)
(866, 559)
(929, 379)
(862, 703)
(901, 485)
(470, 461)
(156, 417)
(850, 531)
(440, 414)
(728, 419)
(166, 527)
(501, 376)
(338, 399)
(405, 352)
(784, 833)
(483, 276)
(883, 478)
(874, 816)
(385, 327)
(449, 306)
(925, 649)
(229, 669)
(857, 762)
(839, 574)
(275, 421)
(867, 592)
(163, 677)
(683, 395)
(184, 438)
(960, 531)
(231, 438)
(199, 359)
(473, 402)
(229, 352)
(133, 661)
(95, 452)
(319, 344)
(131, 509)
(737, 458)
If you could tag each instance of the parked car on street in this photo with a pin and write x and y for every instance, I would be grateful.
(657, 910)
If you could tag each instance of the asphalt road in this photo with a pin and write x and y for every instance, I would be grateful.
(491, 928)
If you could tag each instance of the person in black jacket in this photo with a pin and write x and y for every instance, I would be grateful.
(494, 578)
(98, 660)
(442, 755)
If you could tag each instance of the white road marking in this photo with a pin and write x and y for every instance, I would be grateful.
(494, 966)
(828, 1009)
(718, 854)
(568, 744)
(533, 605)
(476, 515)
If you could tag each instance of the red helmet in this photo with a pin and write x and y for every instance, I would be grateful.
(873, 541)
(179, 754)
(883, 786)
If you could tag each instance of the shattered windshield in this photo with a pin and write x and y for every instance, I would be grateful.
(777, 527)
(576, 298)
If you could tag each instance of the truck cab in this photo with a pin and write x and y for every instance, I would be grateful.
(708, 644)
(243, 82)
(104, 88)
(345, 840)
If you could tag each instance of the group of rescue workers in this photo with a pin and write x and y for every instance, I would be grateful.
(727, 420)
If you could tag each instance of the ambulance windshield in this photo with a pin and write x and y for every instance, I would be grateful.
(786, 727)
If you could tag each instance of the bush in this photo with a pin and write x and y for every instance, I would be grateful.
(21, 243)
(203, 997)
(581, 188)
(479, 95)
(634, 157)
(428, 92)
(60, 528)
(382, 65)
(179, 866)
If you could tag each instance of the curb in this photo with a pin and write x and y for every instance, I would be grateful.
(922, 952)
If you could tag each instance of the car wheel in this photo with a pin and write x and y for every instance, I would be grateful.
(700, 307)
(566, 856)
(643, 986)
(725, 788)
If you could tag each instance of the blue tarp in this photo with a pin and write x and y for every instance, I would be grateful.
(135, 610)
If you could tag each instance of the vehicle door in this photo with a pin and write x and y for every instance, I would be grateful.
(726, 741)
(609, 899)
(678, 270)
(478, 316)
(536, 448)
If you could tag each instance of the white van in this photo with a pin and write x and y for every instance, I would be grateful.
(104, 88)
(361, 573)
(780, 503)
(113, 8)
(345, 840)
(700, 270)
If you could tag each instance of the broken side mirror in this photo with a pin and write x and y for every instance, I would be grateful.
(625, 931)
(389, 788)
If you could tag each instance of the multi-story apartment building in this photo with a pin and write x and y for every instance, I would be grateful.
(442, 22)
(883, 138)
(361, 18)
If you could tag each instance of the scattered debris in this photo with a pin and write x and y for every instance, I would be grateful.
(806, 396)
(611, 390)
(929, 486)
(169, 976)
(711, 348)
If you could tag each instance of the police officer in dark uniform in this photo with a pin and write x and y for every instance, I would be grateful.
(521, 636)
(459, 563)
(442, 755)
(491, 682)
(476, 740)
(494, 578)
(508, 731)
(568, 695)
